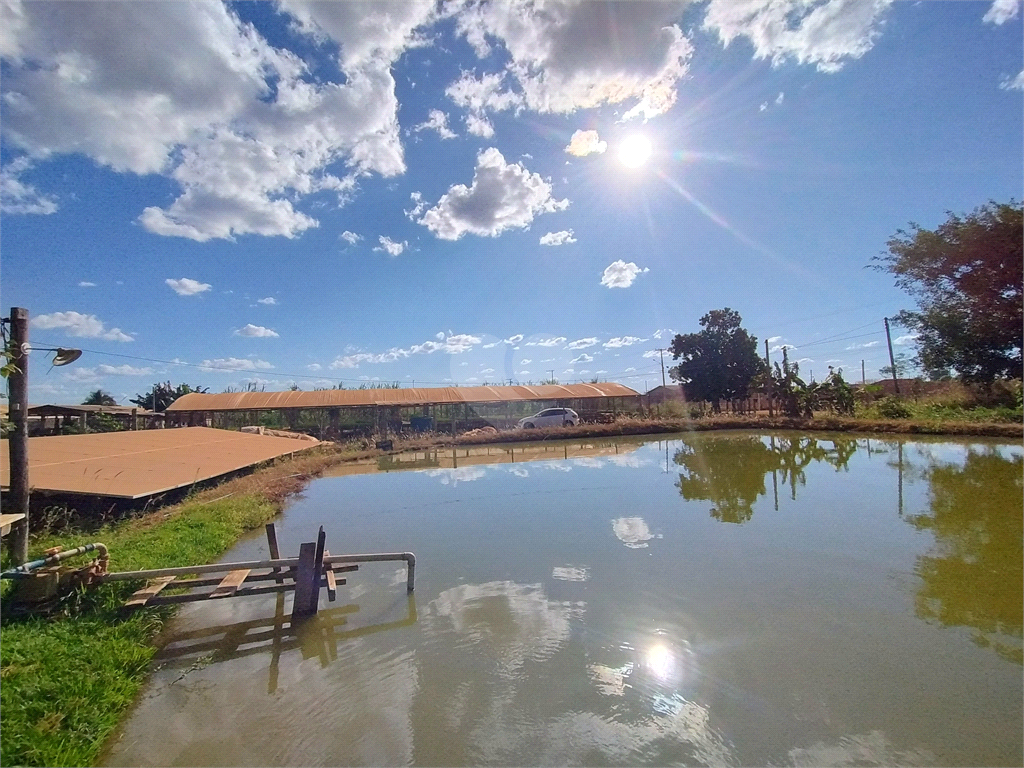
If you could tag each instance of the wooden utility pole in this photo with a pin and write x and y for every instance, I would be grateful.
(662, 366)
(18, 495)
(892, 362)
(863, 378)
(771, 381)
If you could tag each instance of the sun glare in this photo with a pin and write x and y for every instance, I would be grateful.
(634, 150)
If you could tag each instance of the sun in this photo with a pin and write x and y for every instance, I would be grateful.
(634, 150)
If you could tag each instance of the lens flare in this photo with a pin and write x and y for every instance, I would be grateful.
(634, 150)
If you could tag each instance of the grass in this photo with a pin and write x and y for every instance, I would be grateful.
(66, 680)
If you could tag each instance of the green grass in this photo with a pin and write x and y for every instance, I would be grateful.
(939, 411)
(68, 679)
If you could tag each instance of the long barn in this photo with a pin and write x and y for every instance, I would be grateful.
(333, 412)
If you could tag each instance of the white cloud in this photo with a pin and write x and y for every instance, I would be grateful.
(650, 354)
(256, 332)
(572, 55)
(479, 126)
(779, 99)
(620, 274)
(235, 364)
(196, 95)
(186, 286)
(554, 341)
(452, 344)
(622, 341)
(773, 339)
(17, 197)
(662, 331)
(1014, 84)
(502, 196)
(909, 338)
(763, 107)
(391, 247)
(1002, 11)
(77, 324)
(439, 336)
(820, 33)
(123, 370)
(583, 343)
(780, 347)
(484, 93)
(864, 346)
(585, 143)
(86, 284)
(314, 366)
(436, 121)
(525, 361)
(564, 237)
(350, 237)
(269, 301)
(583, 358)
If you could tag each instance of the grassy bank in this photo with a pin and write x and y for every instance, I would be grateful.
(67, 680)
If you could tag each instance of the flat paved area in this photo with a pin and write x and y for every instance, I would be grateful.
(131, 465)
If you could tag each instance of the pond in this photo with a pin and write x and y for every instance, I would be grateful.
(708, 599)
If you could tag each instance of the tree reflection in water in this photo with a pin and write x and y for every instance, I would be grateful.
(730, 472)
(973, 576)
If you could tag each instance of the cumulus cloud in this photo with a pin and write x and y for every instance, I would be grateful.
(569, 56)
(583, 358)
(235, 364)
(1013, 84)
(663, 331)
(196, 95)
(77, 324)
(583, 343)
(621, 274)
(436, 121)
(186, 286)
(773, 339)
(821, 33)
(479, 126)
(350, 237)
(553, 341)
(780, 347)
(269, 301)
(564, 237)
(1002, 11)
(479, 94)
(622, 341)
(389, 246)
(256, 332)
(452, 344)
(585, 143)
(502, 196)
(908, 338)
(314, 366)
(18, 197)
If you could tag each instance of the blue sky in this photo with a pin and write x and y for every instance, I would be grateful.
(324, 193)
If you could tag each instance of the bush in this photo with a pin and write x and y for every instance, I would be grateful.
(893, 408)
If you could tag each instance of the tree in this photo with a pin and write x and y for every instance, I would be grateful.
(163, 394)
(902, 364)
(719, 362)
(966, 279)
(99, 397)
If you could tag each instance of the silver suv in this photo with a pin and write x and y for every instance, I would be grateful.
(550, 417)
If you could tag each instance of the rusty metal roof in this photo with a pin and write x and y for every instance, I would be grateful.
(343, 398)
(78, 410)
(131, 465)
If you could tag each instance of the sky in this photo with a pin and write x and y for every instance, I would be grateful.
(435, 193)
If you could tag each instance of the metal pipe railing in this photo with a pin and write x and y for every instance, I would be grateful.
(290, 562)
(27, 568)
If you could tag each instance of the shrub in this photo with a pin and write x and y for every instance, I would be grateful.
(893, 408)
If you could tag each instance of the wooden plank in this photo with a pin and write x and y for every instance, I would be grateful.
(332, 583)
(318, 568)
(6, 521)
(142, 596)
(305, 587)
(275, 550)
(230, 583)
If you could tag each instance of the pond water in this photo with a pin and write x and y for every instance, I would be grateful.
(707, 599)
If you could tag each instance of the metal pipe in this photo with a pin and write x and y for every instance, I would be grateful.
(27, 568)
(291, 562)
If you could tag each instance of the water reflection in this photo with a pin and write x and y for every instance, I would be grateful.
(316, 637)
(731, 472)
(974, 575)
(632, 531)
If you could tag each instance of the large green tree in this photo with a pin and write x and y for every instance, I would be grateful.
(965, 276)
(163, 394)
(719, 362)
